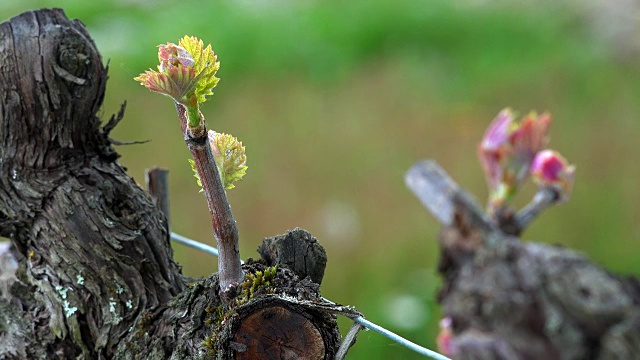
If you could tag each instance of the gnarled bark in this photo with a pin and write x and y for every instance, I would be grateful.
(93, 250)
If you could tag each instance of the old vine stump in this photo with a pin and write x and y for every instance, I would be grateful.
(509, 299)
(90, 271)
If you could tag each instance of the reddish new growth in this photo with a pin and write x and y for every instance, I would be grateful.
(550, 169)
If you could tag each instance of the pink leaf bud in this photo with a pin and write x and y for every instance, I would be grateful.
(186, 72)
(494, 147)
(172, 55)
(549, 168)
(445, 338)
(507, 151)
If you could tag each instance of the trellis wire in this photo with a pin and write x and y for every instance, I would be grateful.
(358, 319)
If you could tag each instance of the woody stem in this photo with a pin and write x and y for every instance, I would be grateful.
(225, 230)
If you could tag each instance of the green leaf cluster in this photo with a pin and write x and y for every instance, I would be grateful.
(205, 66)
(187, 82)
(230, 158)
(255, 281)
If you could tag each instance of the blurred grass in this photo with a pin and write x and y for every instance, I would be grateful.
(335, 103)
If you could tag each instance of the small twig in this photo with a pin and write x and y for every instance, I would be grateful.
(434, 188)
(224, 226)
(544, 197)
(441, 195)
(348, 341)
(136, 142)
(115, 119)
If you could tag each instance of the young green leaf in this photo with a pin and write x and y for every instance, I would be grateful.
(230, 158)
(195, 174)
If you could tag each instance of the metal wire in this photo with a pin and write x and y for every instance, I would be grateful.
(194, 244)
(395, 337)
(359, 319)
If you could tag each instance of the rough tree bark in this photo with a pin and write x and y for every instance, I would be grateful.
(90, 273)
(509, 299)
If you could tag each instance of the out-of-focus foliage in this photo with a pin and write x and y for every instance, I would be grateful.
(334, 101)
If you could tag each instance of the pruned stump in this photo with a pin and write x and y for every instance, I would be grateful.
(299, 251)
(272, 314)
(279, 316)
(509, 299)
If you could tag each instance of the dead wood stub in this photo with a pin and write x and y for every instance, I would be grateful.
(281, 320)
(299, 251)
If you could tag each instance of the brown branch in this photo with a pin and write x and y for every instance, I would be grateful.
(225, 230)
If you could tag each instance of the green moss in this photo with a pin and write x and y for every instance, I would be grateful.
(215, 318)
(253, 283)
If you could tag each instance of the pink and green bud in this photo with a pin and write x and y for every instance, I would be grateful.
(508, 149)
(186, 72)
(176, 83)
(494, 146)
(172, 55)
(551, 169)
(229, 156)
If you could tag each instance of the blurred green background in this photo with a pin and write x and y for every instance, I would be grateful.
(336, 100)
